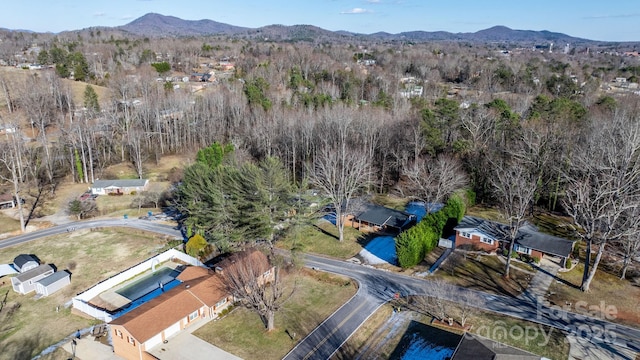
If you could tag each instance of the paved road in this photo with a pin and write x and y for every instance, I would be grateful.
(61, 229)
(378, 287)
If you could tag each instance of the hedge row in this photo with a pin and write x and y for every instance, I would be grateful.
(413, 244)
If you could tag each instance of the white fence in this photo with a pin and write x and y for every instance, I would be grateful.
(81, 301)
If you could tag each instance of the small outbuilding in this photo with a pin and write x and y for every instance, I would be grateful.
(25, 262)
(53, 283)
(25, 282)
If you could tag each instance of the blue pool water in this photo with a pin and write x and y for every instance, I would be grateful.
(384, 247)
(148, 283)
(147, 297)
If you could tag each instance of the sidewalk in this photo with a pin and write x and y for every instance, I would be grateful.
(539, 285)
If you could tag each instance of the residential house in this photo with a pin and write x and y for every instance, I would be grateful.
(475, 347)
(25, 282)
(53, 283)
(103, 187)
(7, 201)
(376, 218)
(25, 262)
(201, 295)
(490, 236)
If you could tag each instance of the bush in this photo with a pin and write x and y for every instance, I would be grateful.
(72, 265)
(567, 263)
(525, 258)
(413, 244)
(134, 192)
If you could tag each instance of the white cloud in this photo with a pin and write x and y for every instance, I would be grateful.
(126, 17)
(356, 11)
(374, 1)
(99, 14)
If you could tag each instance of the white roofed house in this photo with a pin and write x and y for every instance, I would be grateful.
(104, 187)
(25, 282)
(53, 283)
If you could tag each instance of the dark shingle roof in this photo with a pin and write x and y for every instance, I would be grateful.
(528, 235)
(56, 276)
(22, 259)
(474, 347)
(380, 215)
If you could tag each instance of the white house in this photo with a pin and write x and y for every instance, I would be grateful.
(25, 262)
(53, 283)
(26, 281)
(103, 187)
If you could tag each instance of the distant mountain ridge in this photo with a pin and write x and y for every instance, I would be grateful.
(158, 25)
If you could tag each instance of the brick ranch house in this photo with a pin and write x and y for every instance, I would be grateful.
(490, 236)
(202, 295)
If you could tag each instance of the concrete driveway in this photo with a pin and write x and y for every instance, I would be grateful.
(187, 346)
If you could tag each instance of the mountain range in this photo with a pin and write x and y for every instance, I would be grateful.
(157, 25)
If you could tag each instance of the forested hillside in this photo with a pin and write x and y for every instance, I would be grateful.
(562, 125)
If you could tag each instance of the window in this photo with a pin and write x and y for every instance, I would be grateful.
(221, 302)
(465, 234)
(486, 240)
(132, 341)
(193, 315)
(521, 249)
(118, 333)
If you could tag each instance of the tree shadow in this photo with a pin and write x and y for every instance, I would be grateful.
(325, 232)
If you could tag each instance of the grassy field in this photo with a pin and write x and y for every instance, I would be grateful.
(8, 224)
(27, 326)
(316, 296)
(385, 333)
(322, 238)
(605, 287)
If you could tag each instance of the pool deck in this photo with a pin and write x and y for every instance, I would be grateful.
(110, 300)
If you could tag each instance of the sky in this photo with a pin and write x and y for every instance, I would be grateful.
(612, 20)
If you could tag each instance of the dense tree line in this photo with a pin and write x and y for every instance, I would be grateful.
(317, 116)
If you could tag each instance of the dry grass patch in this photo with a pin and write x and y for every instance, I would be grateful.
(322, 238)
(90, 256)
(242, 333)
(605, 287)
(484, 273)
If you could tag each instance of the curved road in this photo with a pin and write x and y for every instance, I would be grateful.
(61, 229)
(376, 287)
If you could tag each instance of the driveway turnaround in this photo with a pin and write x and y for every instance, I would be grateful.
(187, 346)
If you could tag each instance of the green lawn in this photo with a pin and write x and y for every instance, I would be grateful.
(316, 296)
(27, 326)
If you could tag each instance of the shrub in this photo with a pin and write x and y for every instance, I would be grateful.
(514, 254)
(567, 263)
(72, 265)
(525, 258)
(134, 192)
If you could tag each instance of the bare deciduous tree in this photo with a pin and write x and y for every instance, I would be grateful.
(602, 187)
(340, 169)
(434, 180)
(251, 278)
(514, 186)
